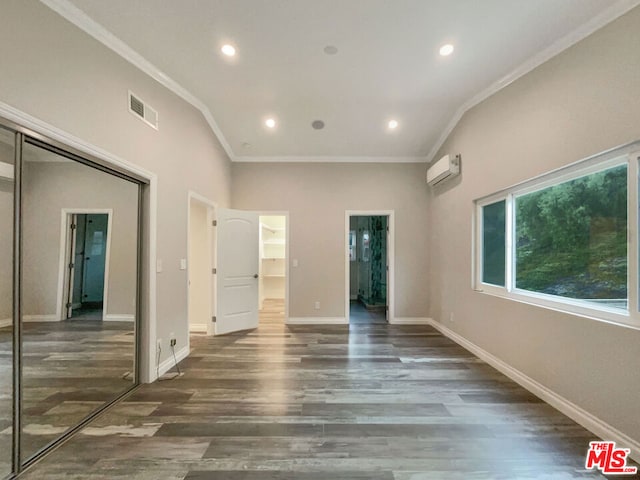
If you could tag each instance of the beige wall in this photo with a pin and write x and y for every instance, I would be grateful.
(199, 266)
(581, 102)
(54, 71)
(6, 239)
(6, 249)
(50, 187)
(317, 196)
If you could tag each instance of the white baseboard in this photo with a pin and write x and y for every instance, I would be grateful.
(410, 321)
(317, 321)
(198, 327)
(118, 317)
(169, 363)
(7, 322)
(40, 318)
(571, 410)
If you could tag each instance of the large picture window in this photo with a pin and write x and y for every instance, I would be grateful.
(562, 240)
(571, 239)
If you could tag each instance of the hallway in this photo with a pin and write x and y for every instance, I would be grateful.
(369, 401)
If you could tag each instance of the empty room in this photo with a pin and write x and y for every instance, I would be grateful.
(309, 240)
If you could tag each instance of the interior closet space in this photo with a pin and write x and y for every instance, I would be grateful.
(273, 263)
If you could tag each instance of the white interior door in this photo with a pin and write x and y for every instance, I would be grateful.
(237, 270)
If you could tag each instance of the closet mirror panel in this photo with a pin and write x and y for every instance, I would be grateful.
(6, 298)
(79, 292)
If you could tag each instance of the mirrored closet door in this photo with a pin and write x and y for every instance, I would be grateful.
(79, 273)
(6, 298)
(77, 235)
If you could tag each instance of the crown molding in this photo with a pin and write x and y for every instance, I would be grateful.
(329, 159)
(81, 20)
(607, 16)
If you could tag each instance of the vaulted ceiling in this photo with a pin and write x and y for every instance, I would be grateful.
(355, 65)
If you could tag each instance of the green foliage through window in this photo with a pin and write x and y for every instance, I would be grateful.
(571, 239)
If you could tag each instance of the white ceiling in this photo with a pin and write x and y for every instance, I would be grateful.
(387, 65)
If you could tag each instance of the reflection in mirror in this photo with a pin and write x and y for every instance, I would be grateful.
(6, 298)
(79, 240)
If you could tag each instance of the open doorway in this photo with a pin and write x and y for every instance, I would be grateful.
(369, 266)
(237, 268)
(273, 268)
(88, 238)
(200, 261)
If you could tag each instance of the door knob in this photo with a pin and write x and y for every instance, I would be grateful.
(255, 275)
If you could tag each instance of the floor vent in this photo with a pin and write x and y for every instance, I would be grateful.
(143, 111)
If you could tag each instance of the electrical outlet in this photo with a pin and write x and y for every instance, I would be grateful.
(451, 319)
(317, 306)
(159, 344)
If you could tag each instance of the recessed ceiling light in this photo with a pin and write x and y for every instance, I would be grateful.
(270, 122)
(446, 50)
(330, 50)
(393, 124)
(317, 124)
(228, 50)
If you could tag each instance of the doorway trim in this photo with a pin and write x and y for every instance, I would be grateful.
(391, 252)
(64, 259)
(281, 213)
(213, 300)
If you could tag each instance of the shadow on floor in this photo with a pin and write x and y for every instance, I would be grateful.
(358, 314)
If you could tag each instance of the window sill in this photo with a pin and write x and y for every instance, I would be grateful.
(611, 316)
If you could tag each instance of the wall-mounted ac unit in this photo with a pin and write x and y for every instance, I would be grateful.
(444, 169)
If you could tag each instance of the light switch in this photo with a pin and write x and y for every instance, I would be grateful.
(294, 262)
(158, 266)
(183, 264)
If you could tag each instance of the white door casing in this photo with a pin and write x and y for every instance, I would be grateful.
(213, 285)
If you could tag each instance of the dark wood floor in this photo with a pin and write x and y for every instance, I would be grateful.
(70, 368)
(6, 402)
(365, 401)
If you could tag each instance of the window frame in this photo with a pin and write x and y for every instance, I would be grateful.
(628, 155)
(480, 236)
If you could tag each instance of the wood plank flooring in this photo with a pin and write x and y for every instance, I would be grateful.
(70, 368)
(365, 401)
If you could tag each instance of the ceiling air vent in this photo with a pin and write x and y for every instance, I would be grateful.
(143, 111)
